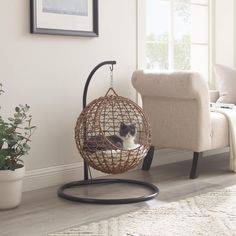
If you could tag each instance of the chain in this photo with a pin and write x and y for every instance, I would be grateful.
(111, 76)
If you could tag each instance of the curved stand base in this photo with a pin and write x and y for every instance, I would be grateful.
(152, 187)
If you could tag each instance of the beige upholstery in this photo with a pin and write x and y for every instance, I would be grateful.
(177, 104)
(219, 129)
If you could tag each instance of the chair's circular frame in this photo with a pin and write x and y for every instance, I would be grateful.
(74, 184)
(87, 181)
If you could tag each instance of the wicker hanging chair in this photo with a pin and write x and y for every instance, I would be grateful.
(99, 120)
(102, 118)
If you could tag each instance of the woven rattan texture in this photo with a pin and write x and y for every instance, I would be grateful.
(102, 118)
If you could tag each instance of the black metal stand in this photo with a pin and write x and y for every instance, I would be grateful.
(154, 190)
(152, 187)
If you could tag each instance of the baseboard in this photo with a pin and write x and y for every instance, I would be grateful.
(56, 175)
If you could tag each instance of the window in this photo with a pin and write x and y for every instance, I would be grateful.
(177, 35)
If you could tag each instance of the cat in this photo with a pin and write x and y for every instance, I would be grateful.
(127, 134)
(124, 140)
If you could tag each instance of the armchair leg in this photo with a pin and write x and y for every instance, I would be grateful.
(148, 159)
(194, 170)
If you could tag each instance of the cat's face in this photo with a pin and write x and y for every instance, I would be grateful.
(127, 131)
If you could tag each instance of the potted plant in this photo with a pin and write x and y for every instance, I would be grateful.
(15, 133)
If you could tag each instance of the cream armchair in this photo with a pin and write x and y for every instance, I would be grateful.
(177, 105)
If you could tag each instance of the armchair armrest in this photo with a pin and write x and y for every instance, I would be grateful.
(177, 104)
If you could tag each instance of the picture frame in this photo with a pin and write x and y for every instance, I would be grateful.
(64, 17)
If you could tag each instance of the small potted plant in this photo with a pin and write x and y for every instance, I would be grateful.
(15, 133)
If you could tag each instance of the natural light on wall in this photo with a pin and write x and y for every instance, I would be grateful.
(177, 35)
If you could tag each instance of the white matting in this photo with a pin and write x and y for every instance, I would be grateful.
(213, 213)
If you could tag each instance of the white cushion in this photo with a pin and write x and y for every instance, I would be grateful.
(214, 95)
(226, 83)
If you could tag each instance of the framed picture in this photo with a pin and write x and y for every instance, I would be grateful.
(64, 17)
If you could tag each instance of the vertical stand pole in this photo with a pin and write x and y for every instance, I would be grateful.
(86, 177)
(86, 171)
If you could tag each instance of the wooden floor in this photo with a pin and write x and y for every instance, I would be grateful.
(42, 211)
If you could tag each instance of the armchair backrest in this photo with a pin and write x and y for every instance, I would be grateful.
(177, 105)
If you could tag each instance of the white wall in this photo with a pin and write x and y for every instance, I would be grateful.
(225, 32)
(48, 72)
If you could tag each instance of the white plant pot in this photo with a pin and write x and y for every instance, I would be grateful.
(11, 187)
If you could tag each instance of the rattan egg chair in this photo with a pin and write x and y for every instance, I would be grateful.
(102, 118)
(99, 120)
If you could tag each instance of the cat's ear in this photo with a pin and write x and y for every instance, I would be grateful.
(122, 124)
(132, 129)
(132, 126)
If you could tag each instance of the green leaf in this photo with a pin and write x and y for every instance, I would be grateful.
(1, 143)
(18, 121)
(29, 128)
(4, 153)
(11, 119)
(26, 146)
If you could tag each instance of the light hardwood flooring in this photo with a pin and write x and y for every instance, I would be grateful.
(42, 211)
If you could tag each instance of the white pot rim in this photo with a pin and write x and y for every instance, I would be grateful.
(12, 175)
